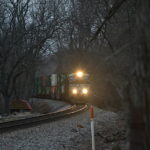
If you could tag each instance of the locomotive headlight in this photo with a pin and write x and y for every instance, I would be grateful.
(74, 91)
(79, 74)
(84, 91)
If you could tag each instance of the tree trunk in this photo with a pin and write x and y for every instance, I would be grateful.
(7, 102)
(140, 85)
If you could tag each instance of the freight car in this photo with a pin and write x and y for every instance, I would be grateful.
(73, 87)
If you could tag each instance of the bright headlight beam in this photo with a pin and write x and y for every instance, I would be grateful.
(74, 91)
(84, 91)
(79, 74)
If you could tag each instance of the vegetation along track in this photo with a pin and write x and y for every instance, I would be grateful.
(29, 122)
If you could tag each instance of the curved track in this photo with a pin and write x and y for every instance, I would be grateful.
(29, 122)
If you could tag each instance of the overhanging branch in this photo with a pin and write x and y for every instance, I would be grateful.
(110, 14)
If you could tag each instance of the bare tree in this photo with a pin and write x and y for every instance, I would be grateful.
(25, 28)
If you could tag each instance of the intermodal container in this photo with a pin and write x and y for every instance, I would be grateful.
(54, 80)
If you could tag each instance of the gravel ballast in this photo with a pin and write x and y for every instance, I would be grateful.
(46, 105)
(69, 134)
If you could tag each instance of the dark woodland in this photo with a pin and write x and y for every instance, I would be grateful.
(109, 39)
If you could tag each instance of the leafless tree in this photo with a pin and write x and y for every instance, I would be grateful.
(25, 28)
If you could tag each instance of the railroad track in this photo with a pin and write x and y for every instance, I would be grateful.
(29, 122)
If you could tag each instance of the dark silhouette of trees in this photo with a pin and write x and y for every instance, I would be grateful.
(110, 39)
(140, 84)
(25, 28)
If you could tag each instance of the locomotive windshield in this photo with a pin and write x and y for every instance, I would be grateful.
(79, 78)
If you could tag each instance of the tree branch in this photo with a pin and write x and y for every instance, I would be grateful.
(110, 14)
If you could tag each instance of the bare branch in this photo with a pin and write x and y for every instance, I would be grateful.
(110, 14)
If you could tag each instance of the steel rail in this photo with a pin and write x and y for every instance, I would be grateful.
(36, 120)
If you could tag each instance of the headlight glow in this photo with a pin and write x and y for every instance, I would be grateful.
(79, 74)
(74, 91)
(84, 91)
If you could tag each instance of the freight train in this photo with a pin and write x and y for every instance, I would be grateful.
(74, 88)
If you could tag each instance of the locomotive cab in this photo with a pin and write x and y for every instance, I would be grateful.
(79, 87)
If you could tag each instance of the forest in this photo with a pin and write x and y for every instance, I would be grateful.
(109, 39)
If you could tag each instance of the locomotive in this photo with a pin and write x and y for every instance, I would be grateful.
(74, 87)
